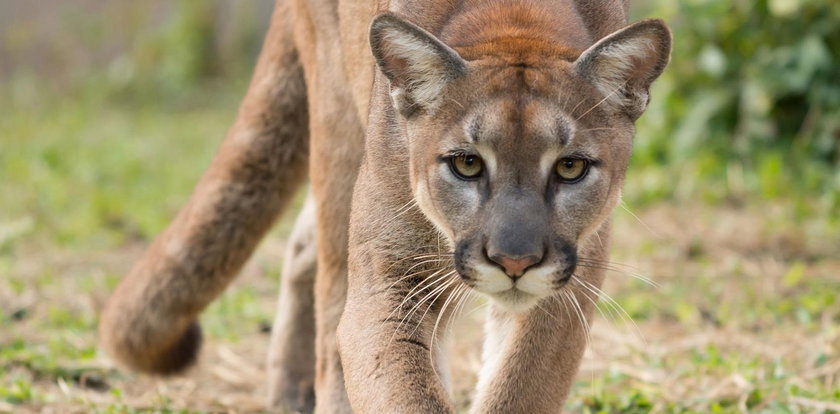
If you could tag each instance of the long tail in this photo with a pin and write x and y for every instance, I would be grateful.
(149, 323)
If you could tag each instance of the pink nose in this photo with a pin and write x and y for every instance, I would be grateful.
(515, 268)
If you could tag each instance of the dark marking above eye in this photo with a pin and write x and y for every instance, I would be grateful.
(564, 130)
(474, 130)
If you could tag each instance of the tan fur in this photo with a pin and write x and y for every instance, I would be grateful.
(291, 358)
(361, 318)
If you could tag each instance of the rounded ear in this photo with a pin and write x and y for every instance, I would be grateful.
(624, 64)
(417, 64)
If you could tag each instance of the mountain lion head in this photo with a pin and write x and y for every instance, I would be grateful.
(518, 147)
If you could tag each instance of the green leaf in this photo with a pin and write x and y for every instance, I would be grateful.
(794, 275)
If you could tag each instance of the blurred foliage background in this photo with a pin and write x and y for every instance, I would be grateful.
(110, 111)
(750, 104)
(748, 110)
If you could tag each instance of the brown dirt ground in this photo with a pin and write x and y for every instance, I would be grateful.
(739, 250)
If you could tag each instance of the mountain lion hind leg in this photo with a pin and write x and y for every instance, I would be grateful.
(291, 355)
(149, 323)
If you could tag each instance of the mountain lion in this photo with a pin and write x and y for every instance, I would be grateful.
(453, 147)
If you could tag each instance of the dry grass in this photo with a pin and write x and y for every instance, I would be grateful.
(727, 330)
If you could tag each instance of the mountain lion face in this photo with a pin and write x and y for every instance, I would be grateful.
(518, 158)
(517, 180)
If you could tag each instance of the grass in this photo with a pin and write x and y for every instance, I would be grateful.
(742, 320)
(745, 318)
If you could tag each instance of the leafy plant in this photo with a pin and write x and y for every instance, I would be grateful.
(750, 100)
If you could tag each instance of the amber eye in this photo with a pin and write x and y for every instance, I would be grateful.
(466, 166)
(571, 170)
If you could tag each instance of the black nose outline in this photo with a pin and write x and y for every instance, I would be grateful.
(498, 260)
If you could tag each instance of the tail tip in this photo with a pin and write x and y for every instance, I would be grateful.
(181, 355)
(174, 359)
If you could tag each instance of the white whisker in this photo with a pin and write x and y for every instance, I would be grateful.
(426, 283)
(548, 313)
(581, 316)
(399, 212)
(597, 264)
(442, 311)
(627, 209)
(442, 290)
(594, 302)
(612, 303)
(597, 129)
(599, 103)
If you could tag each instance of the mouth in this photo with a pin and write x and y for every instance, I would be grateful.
(518, 295)
(515, 299)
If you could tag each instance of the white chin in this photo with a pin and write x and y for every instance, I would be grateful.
(515, 300)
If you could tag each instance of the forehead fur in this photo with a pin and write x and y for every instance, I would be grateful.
(502, 118)
(520, 32)
(545, 101)
(552, 81)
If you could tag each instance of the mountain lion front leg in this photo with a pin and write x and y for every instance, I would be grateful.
(291, 355)
(530, 359)
(149, 323)
(389, 357)
(399, 281)
(536, 361)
